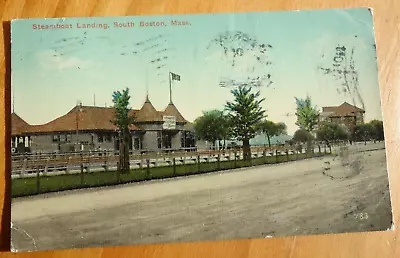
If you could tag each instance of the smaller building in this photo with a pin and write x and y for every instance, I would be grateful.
(346, 115)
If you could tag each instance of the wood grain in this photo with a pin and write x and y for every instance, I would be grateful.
(376, 244)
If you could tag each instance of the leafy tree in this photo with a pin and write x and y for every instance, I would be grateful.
(213, 125)
(271, 129)
(307, 116)
(303, 136)
(245, 113)
(364, 132)
(330, 132)
(379, 131)
(122, 120)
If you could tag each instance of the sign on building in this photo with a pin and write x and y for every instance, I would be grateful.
(169, 122)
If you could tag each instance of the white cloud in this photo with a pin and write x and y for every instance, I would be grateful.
(51, 60)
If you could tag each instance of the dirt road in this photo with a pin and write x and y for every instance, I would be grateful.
(321, 195)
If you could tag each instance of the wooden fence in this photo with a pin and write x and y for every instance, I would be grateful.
(56, 164)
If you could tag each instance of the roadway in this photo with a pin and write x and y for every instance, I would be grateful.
(315, 196)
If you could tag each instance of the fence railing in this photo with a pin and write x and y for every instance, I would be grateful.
(99, 161)
(35, 176)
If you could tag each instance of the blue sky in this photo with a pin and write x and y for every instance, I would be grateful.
(54, 68)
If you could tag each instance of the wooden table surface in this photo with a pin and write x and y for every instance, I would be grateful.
(387, 28)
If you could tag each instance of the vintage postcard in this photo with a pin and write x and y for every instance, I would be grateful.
(160, 129)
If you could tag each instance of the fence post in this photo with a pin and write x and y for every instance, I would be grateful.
(82, 180)
(46, 167)
(148, 167)
(88, 165)
(174, 165)
(276, 156)
(105, 164)
(141, 163)
(118, 171)
(219, 161)
(68, 164)
(264, 156)
(183, 162)
(234, 163)
(24, 166)
(251, 158)
(198, 163)
(156, 160)
(37, 180)
(287, 155)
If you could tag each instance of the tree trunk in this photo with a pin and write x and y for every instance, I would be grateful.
(246, 149)
(269, 141)
(121, 154)
(126, 151)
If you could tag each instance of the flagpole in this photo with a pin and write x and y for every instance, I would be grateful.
(170, 88)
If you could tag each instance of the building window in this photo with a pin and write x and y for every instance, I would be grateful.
(105, 137)
(62, 138)
(56, 138)
(190, 140)
(68, 138)
(167, 140)
(136, 144)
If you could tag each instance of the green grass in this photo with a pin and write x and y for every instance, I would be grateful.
(31, 186)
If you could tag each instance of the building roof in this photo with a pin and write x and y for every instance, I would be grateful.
(148, 113)
(344, 109)
(171, 110)
(81, 118)
(90, 118)
(18, 125)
